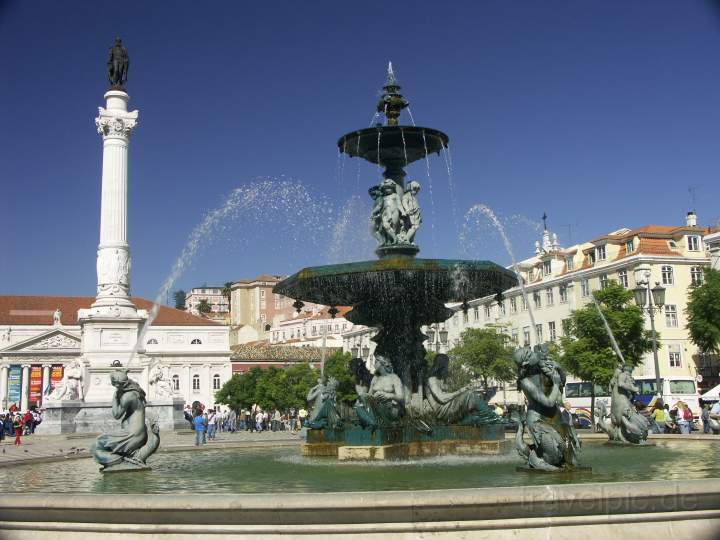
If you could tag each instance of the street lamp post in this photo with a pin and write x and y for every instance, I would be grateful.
(437, 337)
(650, 299)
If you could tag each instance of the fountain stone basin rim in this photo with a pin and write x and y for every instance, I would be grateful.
(424, 281)
(678, 509)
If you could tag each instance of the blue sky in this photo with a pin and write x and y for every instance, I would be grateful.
(601, 114)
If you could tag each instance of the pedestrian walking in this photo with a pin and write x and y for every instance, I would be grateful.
(199, 426)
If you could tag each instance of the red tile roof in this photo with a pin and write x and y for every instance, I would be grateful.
(19, 310)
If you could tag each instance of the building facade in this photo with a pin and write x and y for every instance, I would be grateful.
(312, 329)
(218, 302)
(559, 280)
(40, 335)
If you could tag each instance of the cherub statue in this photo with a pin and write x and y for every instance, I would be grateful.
(392, 210)
(413, 218)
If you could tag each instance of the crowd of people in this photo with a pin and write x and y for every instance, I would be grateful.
(207, 423)
(678, 419)
(15, 423)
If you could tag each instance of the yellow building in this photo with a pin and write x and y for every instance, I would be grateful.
(560, 280)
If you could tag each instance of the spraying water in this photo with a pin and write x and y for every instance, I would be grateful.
(257, 198)
(490, 215)
(615, 346)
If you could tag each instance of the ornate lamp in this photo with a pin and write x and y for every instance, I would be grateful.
(443, 336)
(365, 352)
(640, 293)
(658, 295)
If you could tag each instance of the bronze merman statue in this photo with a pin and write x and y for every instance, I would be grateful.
(554, 444)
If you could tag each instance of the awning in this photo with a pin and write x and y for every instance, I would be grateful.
(712, 394)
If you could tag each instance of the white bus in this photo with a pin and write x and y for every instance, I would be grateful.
(680, 388)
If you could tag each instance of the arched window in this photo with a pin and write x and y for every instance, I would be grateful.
(216, 382)
(152, 341)
(267, 327)
(176, 382)
(196, 341)
(196, 383)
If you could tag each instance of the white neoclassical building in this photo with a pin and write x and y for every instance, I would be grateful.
(35, 347)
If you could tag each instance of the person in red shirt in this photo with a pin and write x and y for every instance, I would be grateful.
(18, 426)
(28, 421)
(13, 408)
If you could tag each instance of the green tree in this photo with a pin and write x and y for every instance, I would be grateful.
(269, 389)
(179, 297)
(703, 313)
(227, 293)
(297, 381)
(240, 390)
(483, 354)
(338, 366)
(204, 306)
(587, 350)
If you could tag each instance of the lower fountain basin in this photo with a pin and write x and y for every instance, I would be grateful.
(424, 282)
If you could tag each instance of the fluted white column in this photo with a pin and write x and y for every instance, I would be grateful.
(3, 387)
(24, 396)
(115, 124)
(45, 380)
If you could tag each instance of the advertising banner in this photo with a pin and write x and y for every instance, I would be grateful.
(36, 388)
(56, 375)
(14, 385)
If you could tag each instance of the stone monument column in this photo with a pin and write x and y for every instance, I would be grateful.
(115, 124)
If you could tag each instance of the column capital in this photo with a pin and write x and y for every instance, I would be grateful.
(26, 366)
(114, 123)
(48, 366)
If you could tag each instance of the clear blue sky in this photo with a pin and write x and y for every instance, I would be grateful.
(602, 114)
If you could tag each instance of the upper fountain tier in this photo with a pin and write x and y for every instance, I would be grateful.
(393, 146)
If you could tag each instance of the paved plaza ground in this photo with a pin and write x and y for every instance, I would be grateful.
(41, 448)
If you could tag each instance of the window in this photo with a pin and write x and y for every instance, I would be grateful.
(196, 383)
(538, 333)
(622, 278)
(667, 275)
(524, 303)
(514, 336)
(152, 341)
(196, 341)
(487, 311)
(603, 281)
(175, 383)
(674, 355)
(585, 287)
(630, 246)
(465, 317)
(693, 243)
(591, 257)
(314, 330)
(262, 293)
(570, 262)
(601, 253)
(696, 276)
(551, 330)
(513, 305)
(526, 336)
(549, 298)
(671, 318)
(537, 299)
(547, 268)
(216, 382)
(563, 294)
(476, 313)
(501, 305)
(565, 323)
(682, 387)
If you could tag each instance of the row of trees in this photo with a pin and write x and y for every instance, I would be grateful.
(276, 388)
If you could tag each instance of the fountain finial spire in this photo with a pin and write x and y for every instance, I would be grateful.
(392, 101)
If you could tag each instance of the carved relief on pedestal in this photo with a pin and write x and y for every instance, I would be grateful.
(112, 124)
(113, 271)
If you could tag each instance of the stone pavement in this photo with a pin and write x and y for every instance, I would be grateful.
(40, 448)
